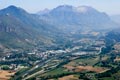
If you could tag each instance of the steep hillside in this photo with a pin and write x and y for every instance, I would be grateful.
(21, 30)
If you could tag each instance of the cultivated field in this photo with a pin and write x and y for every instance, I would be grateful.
(70, 77)
(6, 75)
(85, 68)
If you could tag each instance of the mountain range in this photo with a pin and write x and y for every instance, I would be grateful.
(71, 18)
(22, 30)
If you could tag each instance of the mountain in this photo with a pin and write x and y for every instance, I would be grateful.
(45, 11)
(22, 30)
(77, 18)
(116, 18)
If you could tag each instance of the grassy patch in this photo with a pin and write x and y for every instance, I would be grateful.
(87, 61)
(55, 72)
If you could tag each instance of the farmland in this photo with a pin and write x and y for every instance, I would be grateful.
(6, 75)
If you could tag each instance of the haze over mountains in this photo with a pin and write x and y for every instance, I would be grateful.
(116, 18)
(77, 18)
(20, 29)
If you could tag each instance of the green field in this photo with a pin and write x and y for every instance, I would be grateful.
(86, 61)
(55, 72)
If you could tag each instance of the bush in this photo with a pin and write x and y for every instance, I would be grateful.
(5, 67)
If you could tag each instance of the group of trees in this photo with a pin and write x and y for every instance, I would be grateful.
(108, 73)
(5, 67)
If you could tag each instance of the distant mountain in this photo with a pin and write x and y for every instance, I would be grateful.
(116, 18)
(45, 11)
(21, 30)
(77, 18)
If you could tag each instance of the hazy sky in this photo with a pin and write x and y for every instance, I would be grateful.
(109, 6)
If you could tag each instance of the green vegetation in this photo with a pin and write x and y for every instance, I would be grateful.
(60, 71)
(55, 72)
(21, 71)
(111, 74)
(87, 61)
(5, 67)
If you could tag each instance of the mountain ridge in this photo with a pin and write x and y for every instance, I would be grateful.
(81, 17)
(21, 30)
